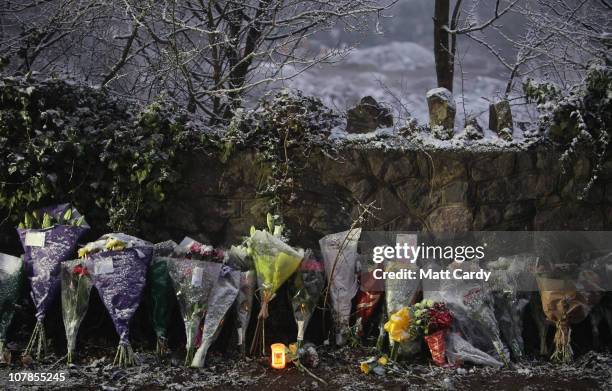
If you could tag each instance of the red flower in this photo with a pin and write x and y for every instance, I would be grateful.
(440, 318)
(219, 253)
(80, 270)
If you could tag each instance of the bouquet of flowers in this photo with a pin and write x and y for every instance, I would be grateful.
(239, 259)
(120, 272)
(160, 293)
(48, 236)
(340, 258)
(244, 305)
(400, 293)
(398, 328)
(76, 286)
(275, 261)
(366, 302)
(305, 292)
(564, 303)
(223, 296)
(432, 320)
(192, 249)
(508, 273)
(567, 291)
(471, 305)
(193, 282)
(10, 285)
(367, 299)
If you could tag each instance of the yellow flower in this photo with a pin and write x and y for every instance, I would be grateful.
(383, 360)
(365, 367)
(293, 348)
(115, 245)
(398, 325)
(83, 252)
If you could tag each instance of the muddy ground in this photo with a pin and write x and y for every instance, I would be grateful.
(339, 368)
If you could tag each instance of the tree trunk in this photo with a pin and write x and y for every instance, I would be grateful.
(442, 53)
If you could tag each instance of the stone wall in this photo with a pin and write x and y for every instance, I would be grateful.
(435, 190)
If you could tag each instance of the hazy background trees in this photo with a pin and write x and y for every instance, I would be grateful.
(213, 56)
(205, 54)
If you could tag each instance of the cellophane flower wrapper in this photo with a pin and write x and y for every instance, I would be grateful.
(193, 282)
(160, 291)
(120, 279)
(564, 303)
(11, 277)
(365, 305)
(42, 263)
(458, 351)
(368, 297)
(400, 293)
(471, 305)
(244, 304)
(239, 259)
(508, 274)
(437, 347)
(76, 283)
(305, 292)
(222, 298)
(275, 261)
(341, 249)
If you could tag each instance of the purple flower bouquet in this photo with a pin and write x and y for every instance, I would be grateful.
(120, 277)
(48, 236)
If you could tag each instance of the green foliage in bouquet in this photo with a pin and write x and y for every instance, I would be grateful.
(64, 142)
(33, 220)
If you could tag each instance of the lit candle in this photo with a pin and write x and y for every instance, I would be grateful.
(278, 355)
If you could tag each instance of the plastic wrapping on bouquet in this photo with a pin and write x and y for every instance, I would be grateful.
(222, 297)
(340, 258)
(10, 283)
(244, 303)
(43, 256)
(120, 277)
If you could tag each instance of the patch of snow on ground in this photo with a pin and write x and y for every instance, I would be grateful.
(392, 57)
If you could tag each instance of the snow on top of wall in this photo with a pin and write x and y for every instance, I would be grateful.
(389, 138)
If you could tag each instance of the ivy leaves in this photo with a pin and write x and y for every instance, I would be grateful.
(579, 119)
(64, 143)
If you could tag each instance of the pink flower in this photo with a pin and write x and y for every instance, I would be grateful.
(311, 265)
(195, 248)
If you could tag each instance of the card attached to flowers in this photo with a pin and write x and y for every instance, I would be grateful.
(35, 239)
